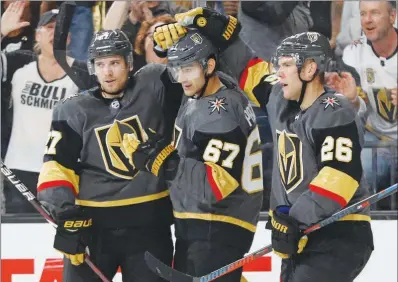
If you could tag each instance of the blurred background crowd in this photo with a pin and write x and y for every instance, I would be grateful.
(264, 25)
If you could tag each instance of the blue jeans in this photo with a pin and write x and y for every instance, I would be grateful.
(81, 29)
(385, 159)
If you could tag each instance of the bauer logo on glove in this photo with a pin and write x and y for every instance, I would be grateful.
(72, 234)
(278, 226)
(287, 237)
(222, 30)
(71, 224)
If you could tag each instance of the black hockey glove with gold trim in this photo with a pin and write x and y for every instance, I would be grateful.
(287, 237)
(150, 155)
(222, 30)
(72, 234)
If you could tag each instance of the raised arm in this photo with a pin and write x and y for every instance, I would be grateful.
(76, 70)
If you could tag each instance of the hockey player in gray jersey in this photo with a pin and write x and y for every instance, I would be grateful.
(317, 144)
(318, 139)
(216, 177)
(87, 182)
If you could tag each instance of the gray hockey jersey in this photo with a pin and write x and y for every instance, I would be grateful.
(317, 167)
(83, 162)
(217, 192)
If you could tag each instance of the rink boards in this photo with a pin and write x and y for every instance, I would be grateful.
(27, 255)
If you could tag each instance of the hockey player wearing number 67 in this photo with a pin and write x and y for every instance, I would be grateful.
(216, 177)
(317, 139)
(86, 175)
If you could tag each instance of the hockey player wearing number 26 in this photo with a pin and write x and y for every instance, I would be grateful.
(85, 173)
(216, 176)
(317, 139)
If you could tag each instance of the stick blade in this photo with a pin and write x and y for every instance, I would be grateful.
(166, 272)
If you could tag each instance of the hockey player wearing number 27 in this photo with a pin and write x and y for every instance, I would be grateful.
(86, 176)
(317, 138)
(216, 177)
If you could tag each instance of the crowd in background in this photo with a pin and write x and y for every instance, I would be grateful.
(264, 25)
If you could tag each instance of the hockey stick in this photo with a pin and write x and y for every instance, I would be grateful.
(44, 212)
(170, 274)
(63, 21)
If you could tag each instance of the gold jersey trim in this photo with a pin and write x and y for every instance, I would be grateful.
(124, 202)
(216, 217)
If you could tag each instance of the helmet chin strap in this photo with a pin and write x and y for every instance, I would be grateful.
(304, 87)
(203, 89)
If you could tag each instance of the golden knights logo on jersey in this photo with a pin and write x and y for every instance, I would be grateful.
(384, 105)
(176, 136)
(110, 138)
(290, 159)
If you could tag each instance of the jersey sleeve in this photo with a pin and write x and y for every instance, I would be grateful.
(215, 170)
(337, 148)
(58, 182)
(246, 68)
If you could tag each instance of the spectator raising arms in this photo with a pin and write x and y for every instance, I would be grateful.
(23, 37)
(37, 83)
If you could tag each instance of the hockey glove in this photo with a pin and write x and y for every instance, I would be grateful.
(287, 237)
(150, 155)
(72, 234)
(222, 30)
(165, 36)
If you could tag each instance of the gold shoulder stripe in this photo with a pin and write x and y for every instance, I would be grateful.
(335, 185)
(53, 174)
(251, 77)
(221, 182)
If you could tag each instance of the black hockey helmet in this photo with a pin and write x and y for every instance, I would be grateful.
(303, 46)
(193, 47)
(108, 43)
(306, 45)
